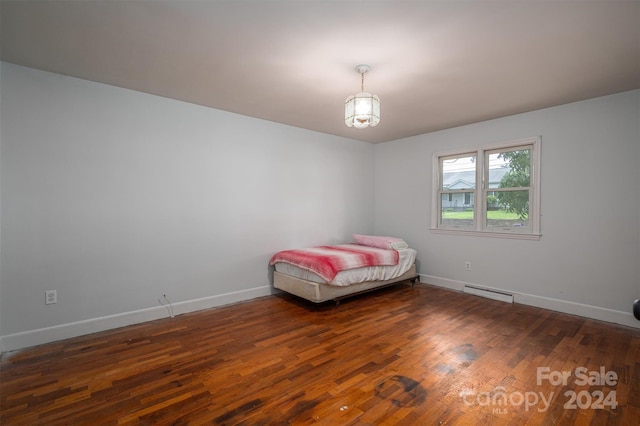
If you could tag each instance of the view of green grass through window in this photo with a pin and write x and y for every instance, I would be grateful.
(505, 195)
(508, 204)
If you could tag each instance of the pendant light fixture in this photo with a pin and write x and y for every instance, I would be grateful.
(363, 109)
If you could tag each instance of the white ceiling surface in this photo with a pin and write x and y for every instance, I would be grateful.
(435, 64)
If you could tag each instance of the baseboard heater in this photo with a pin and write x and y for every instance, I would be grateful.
(489, 294)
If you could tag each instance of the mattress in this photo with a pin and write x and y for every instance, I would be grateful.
(353, 276)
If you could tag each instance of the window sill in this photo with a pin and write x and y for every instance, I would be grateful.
(508, 235)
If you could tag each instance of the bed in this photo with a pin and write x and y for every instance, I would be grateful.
(324, 273)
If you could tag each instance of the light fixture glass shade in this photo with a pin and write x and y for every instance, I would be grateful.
(362, 110)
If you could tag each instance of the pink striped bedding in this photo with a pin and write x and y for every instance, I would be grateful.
(327, 261)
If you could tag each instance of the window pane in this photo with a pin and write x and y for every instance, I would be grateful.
(457, 213)
(510, 169)
(459, 173)
(508, 211)
(491, 189)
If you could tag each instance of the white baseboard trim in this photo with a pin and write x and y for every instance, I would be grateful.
(443, 282)
(25, 339)
(564, 306)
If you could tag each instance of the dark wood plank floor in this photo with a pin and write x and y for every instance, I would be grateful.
(400, 356)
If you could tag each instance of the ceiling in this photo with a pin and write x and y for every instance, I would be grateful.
(434, 64)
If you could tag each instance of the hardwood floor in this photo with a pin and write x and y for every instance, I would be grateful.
(400, 356)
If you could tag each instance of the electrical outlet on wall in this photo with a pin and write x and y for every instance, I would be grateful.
(50, 297)
(467, 265)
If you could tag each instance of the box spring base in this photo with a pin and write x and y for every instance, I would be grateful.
(318, 293)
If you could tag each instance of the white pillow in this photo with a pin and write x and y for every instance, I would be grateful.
(389, 243)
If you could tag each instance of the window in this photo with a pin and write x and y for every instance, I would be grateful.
(493, 190)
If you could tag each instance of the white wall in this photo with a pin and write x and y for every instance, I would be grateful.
(114, 197)
(587, 261)
(1, 345)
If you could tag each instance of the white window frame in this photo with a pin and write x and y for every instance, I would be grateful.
(480, 191)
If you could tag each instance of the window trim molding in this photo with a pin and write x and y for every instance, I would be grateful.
(479, 152)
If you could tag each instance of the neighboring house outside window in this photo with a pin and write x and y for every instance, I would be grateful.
(492, 190)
